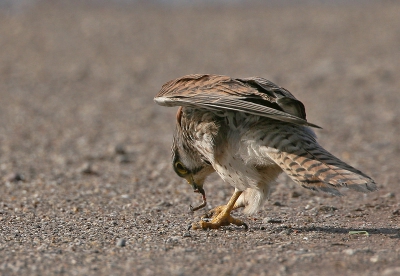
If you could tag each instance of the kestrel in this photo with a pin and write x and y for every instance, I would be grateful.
(248, 131)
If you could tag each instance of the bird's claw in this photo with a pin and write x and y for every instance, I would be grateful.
(216, 218)
(213, 212)
(204, 225)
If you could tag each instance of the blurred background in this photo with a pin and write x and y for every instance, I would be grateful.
(80, 133)
(78, 77)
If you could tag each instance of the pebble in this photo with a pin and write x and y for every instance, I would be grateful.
(327, 209)
(14, 177)
(121, 242)
(389, 195)
(295, 194)
(307, 207)
(124, 158)
(173, 240)
(271, 220)
(374, 259)
(163, 203)
(286, 231)
(391, 271)
(349, 251)
(120, 149)
(87, 168)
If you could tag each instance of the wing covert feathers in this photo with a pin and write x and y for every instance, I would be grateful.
(253, 95)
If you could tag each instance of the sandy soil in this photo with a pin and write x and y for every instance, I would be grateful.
(86, 182)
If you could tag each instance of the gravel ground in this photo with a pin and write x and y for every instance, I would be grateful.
(86, 183)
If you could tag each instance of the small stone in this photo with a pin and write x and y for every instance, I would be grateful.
(173, 240)
(349, 251)
(327, 209)
(396, 212)
(123, 158)
(277, 203)
(87, 168)
(271, 220)
(186, 235)
(389, 195)
(163, 203)
(374, 259)
(14, 177)
(391, 271)
(286, 231)
(121, 242)
(295, 194)
(120, 149)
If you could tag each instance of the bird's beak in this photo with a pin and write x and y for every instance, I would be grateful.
(197, 189)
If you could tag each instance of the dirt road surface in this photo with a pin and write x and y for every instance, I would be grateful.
(86, 183)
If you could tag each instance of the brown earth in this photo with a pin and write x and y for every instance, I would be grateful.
(86, 182)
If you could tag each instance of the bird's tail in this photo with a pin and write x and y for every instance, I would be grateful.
(311, 166)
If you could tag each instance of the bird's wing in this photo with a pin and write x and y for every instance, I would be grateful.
(254, 95)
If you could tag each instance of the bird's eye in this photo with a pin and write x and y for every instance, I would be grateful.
(180, 169)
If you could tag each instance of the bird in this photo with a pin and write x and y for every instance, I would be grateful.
(248, 131)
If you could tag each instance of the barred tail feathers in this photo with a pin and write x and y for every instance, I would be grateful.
(311, 166)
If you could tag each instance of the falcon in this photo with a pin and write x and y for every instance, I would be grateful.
(248, 130)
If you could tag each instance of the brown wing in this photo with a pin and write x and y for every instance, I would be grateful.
(254, 95)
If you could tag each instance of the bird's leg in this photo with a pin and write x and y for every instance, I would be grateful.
(222, 216)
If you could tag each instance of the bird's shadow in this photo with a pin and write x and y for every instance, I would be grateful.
(393, 233)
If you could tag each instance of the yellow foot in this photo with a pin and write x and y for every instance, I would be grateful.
(219, 217)
(213, 212)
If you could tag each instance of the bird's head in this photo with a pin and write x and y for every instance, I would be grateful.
(190, 166)
(187, 161)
